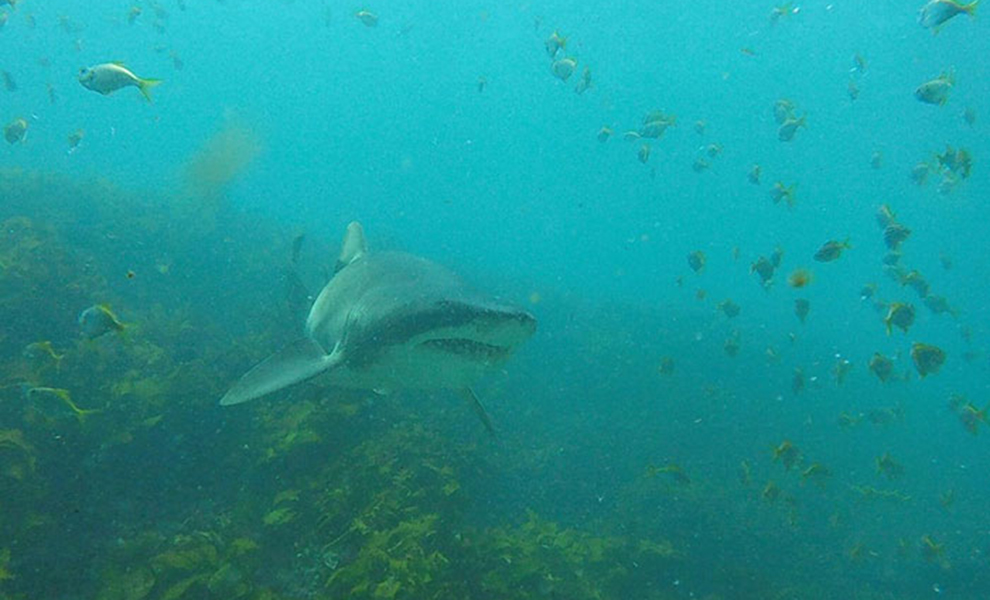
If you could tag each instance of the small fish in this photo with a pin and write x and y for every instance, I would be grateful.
(781, 192)
(932, 551)
(42, 397)
(867, 291)
(831, 250)
(947, 184)
(297, 244)
(699, 127)
(563, 68)
(68, 25)
(852, 89)
(696, 260)
(900, 315)
(787, 454)
(655, 123)
(886, 415)
(927, 359)
(482, 82)
(783, 110)
(109, 77)
(885, 216)
(754, 174)
(732, 345)
(15, 131)
(713, 150)
(772, 354)
(730, 308)
(666, 366)
(776, 257)
(940, 306)
(797, 381)
(841, 369)
(367, 18)
(789, 127)
(816, 473)
(8, 81)
(784, 10)
(956, 161)
(917, 282)
(745, 472)
(700, 164)
(764, 268)
(177, 63)
(847, 420)
(937, 90)
(98, 320)
(43, 351)
(876, 159)
(675, 471)
(882, 367)
(894, 235)
(584, 84)
(554, 44)
(771, 492)
(604, 133)
(801, 308)
(945, 260)
(969, 116)
(133, 14)
(969, 415)
(75, 138)
(935, 13)
(644, 153)
(888, 467)
(919, 173)
(799, 278)
(859, 64)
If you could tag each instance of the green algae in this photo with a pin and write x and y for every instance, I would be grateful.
(364, 496)
(133, 584)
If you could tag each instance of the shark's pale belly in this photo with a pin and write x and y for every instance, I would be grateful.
(423, 367)
(429, 361)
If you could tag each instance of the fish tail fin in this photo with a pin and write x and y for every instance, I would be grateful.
(83, 414)
(145, 86)
(970, 9)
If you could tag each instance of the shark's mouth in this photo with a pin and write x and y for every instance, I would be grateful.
(468, 348)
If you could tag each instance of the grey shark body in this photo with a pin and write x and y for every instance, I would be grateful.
(388, 321)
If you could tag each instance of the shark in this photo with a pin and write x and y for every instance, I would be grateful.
(389, 321)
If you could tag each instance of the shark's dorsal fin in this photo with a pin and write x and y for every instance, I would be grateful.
(353, 247)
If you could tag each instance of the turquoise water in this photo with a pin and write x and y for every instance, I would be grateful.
(507, 184)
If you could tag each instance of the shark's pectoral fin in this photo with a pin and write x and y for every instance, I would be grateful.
(295, 363)
(479, 409)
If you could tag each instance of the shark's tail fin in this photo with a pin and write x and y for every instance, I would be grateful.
(297, 362)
